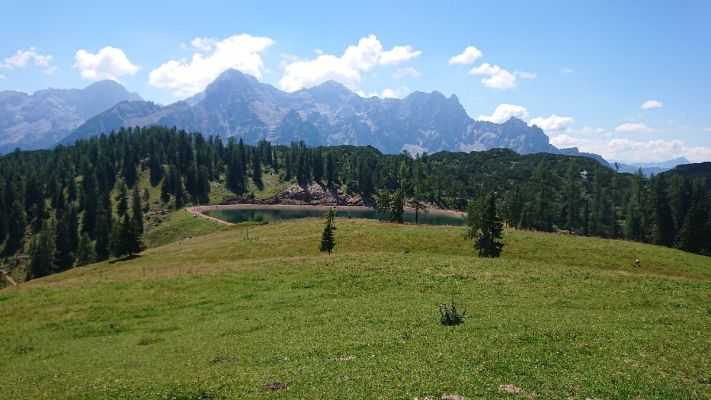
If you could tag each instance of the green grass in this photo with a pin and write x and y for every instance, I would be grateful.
(272, 186)
(220, 315)
(177, 225)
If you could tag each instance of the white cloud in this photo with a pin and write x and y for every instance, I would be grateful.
(587, 130)
(387, 93)
(468, 56)
(29, 56)
(211, 57)
(553, 123)
(525, 75)
(707, 130)
(632, 127)
(628, 150)
(406, 72)
(650, 104)
(496, 77)
(2, 77)
(565, 70)
(346, 69)
(504, 112)
(108, 63)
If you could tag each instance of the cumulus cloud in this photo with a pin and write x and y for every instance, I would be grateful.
(108, 63)
(651, 104)
(525, 74)
(27, 57)
(504, 112)
(632, 127)
(406, 72)
(495, 76)
(346, 69)
(553, 122)
(387, 93)
(468, 56)
(628, 150)
(211, 57)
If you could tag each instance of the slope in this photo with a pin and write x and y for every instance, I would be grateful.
(220, 316)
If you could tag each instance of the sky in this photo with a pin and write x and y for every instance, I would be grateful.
(630, 80)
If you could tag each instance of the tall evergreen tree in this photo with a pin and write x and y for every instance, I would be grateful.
(489, 242)
(64, 252)
(137, 210)
(328, 241)
(663, 222)
(85, 251)
(129, 239)
(42, 253)
(397, 207)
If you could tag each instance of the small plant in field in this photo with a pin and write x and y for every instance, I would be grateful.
(450, 316)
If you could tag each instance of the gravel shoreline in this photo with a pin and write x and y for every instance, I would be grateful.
(202, 210)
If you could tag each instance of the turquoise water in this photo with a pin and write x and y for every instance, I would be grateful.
(273, 214)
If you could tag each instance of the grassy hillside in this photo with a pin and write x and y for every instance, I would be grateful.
(221, 315)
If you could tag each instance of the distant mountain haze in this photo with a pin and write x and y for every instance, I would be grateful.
(238, 105)
(46, 117)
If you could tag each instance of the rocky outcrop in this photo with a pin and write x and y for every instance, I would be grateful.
(317, 195)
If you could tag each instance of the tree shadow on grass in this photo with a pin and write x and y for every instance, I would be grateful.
(124, 258)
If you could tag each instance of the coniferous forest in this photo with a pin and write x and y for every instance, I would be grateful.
(74, 205)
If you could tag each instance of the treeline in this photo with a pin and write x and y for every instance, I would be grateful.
(82, 203)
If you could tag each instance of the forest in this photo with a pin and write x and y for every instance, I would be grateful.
(74, 205)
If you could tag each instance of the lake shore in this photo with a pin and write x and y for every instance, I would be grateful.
(202, 211)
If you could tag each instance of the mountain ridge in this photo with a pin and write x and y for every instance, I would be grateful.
(236, 104)
(43, 118)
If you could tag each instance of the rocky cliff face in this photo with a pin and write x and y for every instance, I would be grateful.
(238, 105)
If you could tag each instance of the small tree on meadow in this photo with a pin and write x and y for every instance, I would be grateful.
(490, 229)
(328, 241)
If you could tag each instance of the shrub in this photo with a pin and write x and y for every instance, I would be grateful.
(450, 316)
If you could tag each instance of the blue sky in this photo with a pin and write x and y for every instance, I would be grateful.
(629, 80)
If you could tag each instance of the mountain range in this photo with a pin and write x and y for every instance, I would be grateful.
(238, 105)
(46, 117)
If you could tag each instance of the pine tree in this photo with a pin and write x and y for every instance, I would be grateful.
(328, 241)
(329, 169)
(692, 235)
(102, 235)
(122, 205)
(489, 242)
(42, 253)
(662, 222)
(129, 239)
(418, 190)
(137, 210)
(85, 251)
(16, 222)
(397, 207)
(64, 253)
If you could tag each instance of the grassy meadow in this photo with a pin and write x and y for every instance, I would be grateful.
(219, 312)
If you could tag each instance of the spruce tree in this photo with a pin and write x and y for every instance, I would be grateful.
(103, 234)
(328, 241)
(64, 253)
(489, 241)
(129, 238)
(85, 251)
(137, 209)
(42, 253)
(122, 205)
(397, 207)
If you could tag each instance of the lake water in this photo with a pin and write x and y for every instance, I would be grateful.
(273, 214)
